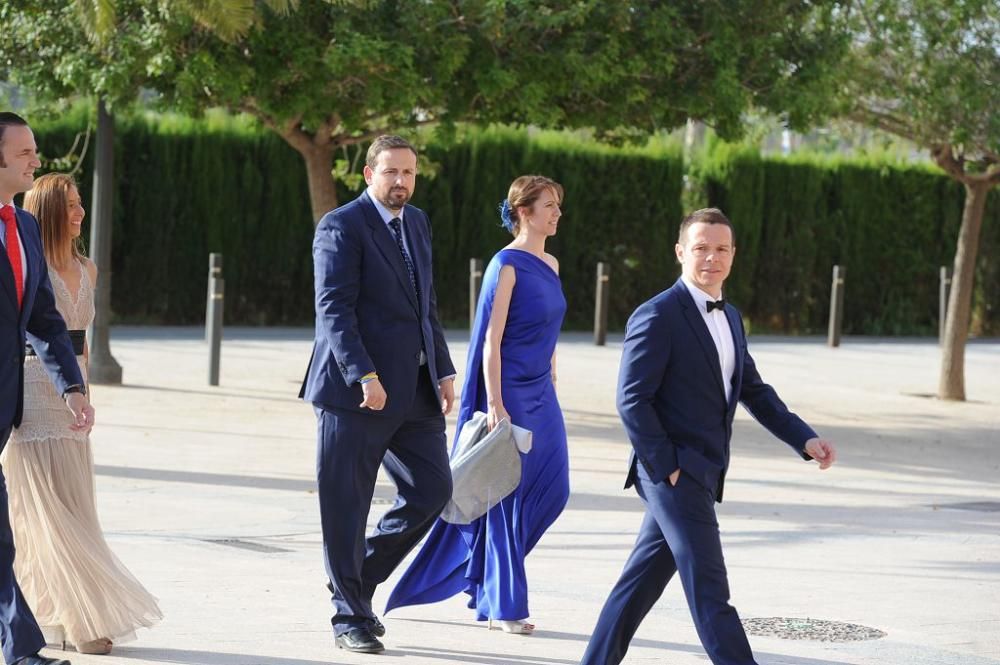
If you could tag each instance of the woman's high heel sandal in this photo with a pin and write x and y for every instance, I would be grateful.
(101, 646)
(55, 637)
(519, 627)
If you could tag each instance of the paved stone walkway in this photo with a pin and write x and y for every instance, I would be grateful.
(208, 496)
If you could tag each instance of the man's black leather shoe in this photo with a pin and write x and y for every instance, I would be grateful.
(358, 640)
(377, 629)
(41, 660)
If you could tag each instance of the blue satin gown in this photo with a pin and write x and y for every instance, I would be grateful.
(485, 559)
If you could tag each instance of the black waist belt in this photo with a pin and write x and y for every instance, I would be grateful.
(77, 337)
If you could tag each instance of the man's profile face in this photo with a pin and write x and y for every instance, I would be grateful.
(18, 160)
(393, 178)
(706, 255)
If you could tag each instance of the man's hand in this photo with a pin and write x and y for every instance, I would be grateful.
(822, 451)
(446, 387)
(83, 412)
(674, 477)
(375, 397)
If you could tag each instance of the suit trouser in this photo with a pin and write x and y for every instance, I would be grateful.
(352, 445)
(680, 534)
(19, 632)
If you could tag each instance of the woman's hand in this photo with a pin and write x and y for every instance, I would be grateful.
(494, 414)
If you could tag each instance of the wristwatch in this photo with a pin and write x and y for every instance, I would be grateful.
(75, 388)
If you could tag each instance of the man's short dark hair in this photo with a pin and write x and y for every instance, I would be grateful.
(706, 216)
(383, 143)
(8, 119)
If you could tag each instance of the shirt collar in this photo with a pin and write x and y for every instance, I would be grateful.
(384, 212)
(700, 297)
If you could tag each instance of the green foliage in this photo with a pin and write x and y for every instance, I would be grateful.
(364, 66)
(621, 207)
(890, 225)
(186, 188)
(51, 54)
(930, 70)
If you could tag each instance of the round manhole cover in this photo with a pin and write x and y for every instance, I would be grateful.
(810, 629)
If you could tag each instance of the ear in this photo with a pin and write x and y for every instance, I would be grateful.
(369, 174)
(679, 252)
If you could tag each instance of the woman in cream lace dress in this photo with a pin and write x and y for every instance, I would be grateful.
(65, 569)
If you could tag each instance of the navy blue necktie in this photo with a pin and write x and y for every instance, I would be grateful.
(397, 232)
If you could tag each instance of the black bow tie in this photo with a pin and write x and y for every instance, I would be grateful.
(719, 304)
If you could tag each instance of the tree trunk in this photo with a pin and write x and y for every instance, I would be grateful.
(103, 367)
(322, 186)
(951, 385)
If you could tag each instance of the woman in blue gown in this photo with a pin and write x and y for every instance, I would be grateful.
(510, 374)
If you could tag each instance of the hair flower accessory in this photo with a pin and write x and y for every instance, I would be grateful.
(505, 220)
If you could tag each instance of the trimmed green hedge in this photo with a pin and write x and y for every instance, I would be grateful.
(890, 225)
(621, 207)
(186, 188)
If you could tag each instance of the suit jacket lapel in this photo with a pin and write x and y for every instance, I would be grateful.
(420, 258)
(7, 277)
(700, 330)
(736, 328)
(382, 237)
(33, 255)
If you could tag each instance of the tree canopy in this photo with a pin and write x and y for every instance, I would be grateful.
(332, 74)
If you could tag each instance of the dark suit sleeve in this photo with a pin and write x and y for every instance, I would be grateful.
(442, 358)
(47, 331)
(337, 260)
(763, 403)
(645, 355)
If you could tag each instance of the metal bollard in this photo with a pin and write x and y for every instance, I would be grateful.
(836, 306)
(213, 316)
(214, 272)
(475, 283)
(601, 297)
(943, 292)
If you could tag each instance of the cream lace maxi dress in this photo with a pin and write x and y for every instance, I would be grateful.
(67, 573)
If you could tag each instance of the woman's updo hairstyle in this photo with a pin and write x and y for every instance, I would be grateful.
(523, 193)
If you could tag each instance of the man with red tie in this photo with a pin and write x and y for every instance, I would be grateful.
(27, 311)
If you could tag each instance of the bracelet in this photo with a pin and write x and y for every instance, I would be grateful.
(370, 376)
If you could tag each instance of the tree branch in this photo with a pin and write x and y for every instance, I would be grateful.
(944, 156)
(885, 121)
(378, 131)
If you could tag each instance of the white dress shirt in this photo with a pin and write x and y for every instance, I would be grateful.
(722, 335)
(20, 243)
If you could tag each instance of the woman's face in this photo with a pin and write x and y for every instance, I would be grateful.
(543, 216)
(74, 212)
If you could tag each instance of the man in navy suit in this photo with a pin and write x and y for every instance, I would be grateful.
(381, 382)
(27, 307)
(684, 367)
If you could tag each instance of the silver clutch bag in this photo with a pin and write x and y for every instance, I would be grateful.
(485, 467)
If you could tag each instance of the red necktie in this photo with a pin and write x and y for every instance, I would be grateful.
(13, 250)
